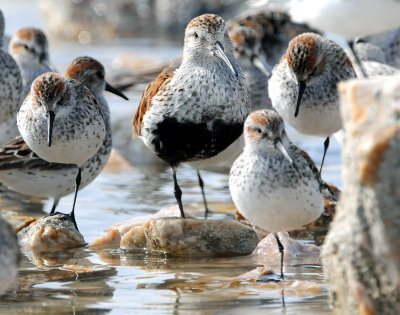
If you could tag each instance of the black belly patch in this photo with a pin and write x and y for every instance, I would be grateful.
(183, 142)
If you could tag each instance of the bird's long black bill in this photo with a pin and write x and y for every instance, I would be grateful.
(302, 87)
(115, 91)
(281, 148)
(50, 121)
(219, 52)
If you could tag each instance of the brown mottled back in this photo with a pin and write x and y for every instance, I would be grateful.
(152, 89)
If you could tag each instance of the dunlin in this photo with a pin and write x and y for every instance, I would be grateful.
(256, 71)
(274, 184)
(198, 110)
(9, 255)
(10, 94)
(29, 48)
(23, 171)
(303, 86)
(61, 121)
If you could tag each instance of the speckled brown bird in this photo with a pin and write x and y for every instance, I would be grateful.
(274, 184)
(61, 121)
(23, 171)
(198, 110)
(303, 86)
(29, 48)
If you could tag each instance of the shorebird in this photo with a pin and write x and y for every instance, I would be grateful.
(9, 255)
(29, 48)
(274, 30)
(303, 86)
(254, 65)
(61, 122)
(198, 110)
(349, 19)
(274, 184)
(23, 171)
(10, 92)
(256, 71)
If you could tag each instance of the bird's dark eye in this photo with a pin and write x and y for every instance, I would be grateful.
(26, 47)
(196, 35)
(259, 130)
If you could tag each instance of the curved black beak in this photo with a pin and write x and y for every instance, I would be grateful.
(218, 51)
(281, 148)
(113, 90)
(302, 87)
(50, 121)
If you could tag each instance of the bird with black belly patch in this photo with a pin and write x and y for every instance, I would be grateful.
(198, 110)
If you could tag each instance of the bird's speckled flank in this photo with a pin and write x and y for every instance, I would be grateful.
(10, 92)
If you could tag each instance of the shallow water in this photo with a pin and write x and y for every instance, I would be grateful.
(141, 282)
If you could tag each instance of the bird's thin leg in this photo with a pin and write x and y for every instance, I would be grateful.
(201, 183)
(351, 45)
(77, 184)
(280, 250)
(326, 146)
(178, 193)
(55, 204)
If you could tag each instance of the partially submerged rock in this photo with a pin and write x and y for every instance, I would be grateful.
(192, 237)
(112, 238)
(51, 233)
(268, 248)
(18, 222)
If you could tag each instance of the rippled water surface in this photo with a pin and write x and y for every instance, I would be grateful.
(141, 282)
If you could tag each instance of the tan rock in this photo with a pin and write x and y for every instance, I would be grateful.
(268, 248)
(134, 238)
(192, 237)
(112, 238)
(361, 254)
(18, 222)
(50, 233)
(116, 163)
